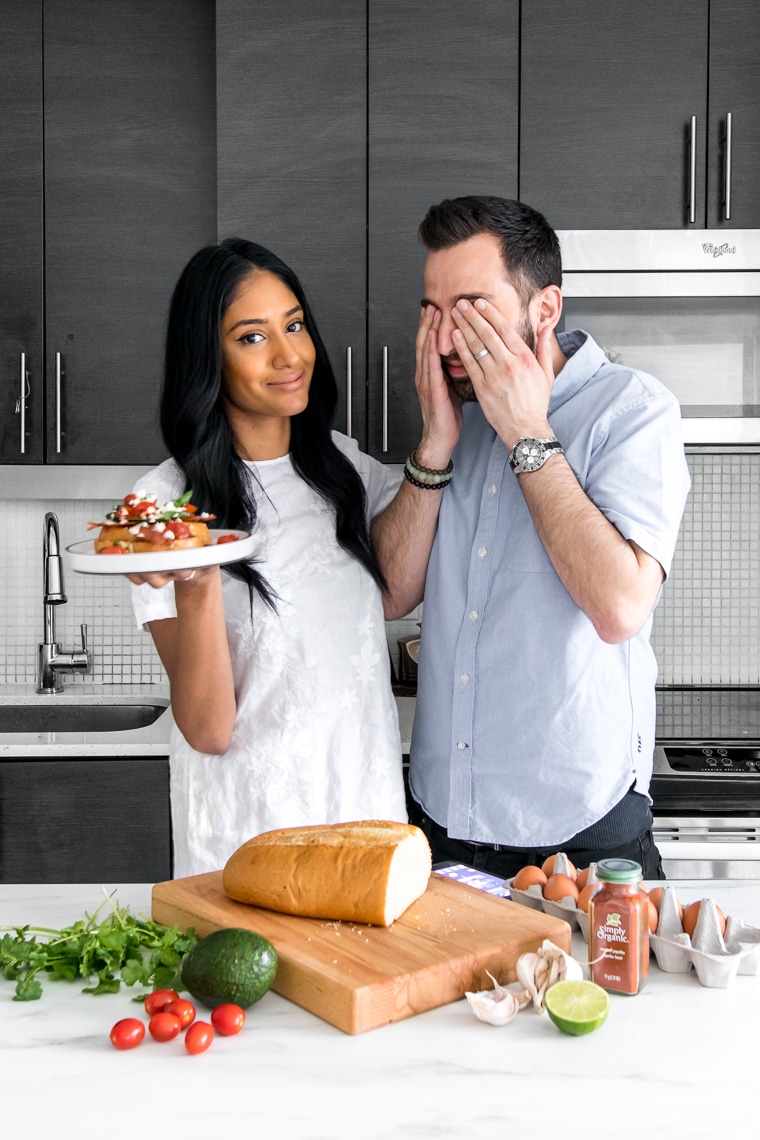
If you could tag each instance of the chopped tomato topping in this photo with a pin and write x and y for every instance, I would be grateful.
(130, 500)
(226, 538)
(179, 529)
(143, 510)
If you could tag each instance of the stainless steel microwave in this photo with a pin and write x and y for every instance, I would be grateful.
(683, 305)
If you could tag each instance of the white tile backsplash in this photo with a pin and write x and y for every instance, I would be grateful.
(706, 628)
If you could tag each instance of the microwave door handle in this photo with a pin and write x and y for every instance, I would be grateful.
(727, 188)
(693, 170)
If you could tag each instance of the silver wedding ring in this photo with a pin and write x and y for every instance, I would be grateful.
(190, 575)
(483, 352)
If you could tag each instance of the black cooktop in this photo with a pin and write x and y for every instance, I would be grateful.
(719, 714)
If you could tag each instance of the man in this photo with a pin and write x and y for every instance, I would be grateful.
(540, 562)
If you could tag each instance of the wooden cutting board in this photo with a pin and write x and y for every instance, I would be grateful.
(359, 977)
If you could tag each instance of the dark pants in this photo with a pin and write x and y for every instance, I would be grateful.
(507, 861)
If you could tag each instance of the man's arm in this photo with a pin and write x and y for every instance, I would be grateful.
(612, 580)
(403, 534)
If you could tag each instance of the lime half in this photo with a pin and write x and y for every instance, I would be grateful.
(577, 1007)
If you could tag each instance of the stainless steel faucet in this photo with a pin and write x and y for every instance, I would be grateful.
(51, 660)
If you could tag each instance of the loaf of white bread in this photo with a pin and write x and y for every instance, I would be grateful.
(369, 871)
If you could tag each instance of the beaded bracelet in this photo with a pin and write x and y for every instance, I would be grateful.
(425, 486)
(415, 464)
(427, 476)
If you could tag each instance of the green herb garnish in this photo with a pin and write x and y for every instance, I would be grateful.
(143, 953)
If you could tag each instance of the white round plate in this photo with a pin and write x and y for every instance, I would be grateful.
(82, 557)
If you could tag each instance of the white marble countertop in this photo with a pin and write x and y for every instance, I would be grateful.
(153, 740)
(677, 1061)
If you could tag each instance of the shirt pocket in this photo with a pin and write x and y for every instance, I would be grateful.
(524, 551)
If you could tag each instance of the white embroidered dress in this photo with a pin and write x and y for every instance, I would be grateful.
(316, 736)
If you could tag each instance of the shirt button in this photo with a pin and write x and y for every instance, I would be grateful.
(464, 678)
(474, 615)
(492, 489)
(482, 552)
(461, 744)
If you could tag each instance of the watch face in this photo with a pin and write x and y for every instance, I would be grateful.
(529, 454)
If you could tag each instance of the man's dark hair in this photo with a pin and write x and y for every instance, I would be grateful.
(529, 245)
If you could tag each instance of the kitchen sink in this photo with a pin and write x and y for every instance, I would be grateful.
(80, 717)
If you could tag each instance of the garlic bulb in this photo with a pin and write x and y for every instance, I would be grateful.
(550, 964)
(499, 1005)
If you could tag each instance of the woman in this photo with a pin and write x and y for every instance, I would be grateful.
(278, 666)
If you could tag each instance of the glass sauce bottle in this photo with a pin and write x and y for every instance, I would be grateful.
(618, 943)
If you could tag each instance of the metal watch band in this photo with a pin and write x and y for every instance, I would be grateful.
(526, 456)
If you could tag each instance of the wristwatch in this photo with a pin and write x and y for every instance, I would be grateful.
(529, 454)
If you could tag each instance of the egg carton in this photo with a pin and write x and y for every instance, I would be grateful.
(563, 908)
(716, 958)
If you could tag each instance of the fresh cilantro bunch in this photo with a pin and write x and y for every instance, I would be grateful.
(141, 951)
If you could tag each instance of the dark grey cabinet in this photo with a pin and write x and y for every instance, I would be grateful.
(292, 145)
(734, 91)
(608, 94)
(21, 359)
(85, 821)
(354, 119)
(442, 121)
(124, 100)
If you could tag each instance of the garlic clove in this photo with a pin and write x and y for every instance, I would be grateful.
(499, 1005)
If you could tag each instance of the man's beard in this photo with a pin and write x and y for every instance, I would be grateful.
(462, 386)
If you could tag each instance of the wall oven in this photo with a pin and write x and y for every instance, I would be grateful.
(706, 781)
(681, 305)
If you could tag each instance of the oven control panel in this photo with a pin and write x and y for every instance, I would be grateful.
(715, 759)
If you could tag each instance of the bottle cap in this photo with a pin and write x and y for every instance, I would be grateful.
(618, 871)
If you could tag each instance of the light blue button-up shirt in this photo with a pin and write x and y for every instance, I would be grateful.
(528, 727)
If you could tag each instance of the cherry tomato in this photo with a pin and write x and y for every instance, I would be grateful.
(156, 1001)
(127, 1033)
(199, 1036)
(130, 500)
(226, 538)
(184, 1010)
(164, 1026)
(113, 550)
(228, 1019)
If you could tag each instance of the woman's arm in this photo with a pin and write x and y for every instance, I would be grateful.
(193, 650)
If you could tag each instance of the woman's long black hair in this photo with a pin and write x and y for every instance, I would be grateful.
(194, 423)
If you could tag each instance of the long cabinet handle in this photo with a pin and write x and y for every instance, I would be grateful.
(58, 370)
(23, 393)
(693, 169)
(727, 189)
(349, 392)
(385, 397)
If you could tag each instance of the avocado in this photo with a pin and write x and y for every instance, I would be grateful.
(230, 965)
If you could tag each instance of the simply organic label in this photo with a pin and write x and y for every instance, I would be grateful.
(612, 930)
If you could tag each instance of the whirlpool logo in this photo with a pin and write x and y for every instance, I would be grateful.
(717, 250)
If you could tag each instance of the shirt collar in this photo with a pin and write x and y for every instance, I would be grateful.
(584, 358)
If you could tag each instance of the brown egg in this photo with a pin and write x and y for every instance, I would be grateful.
(560, 887)
(691, 914)
(584, 898)
(582, 878)
(528, 877)
(548, 867)
(654, 917)
(655, 896)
